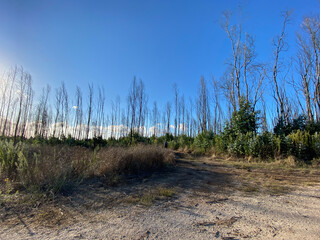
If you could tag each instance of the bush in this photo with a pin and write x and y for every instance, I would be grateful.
(263, 146)
(10, 155)
(268, 145)
(301, 145)
(204, 141)
(242, 121)
(220, 144)
(184, 141)
(316, 144)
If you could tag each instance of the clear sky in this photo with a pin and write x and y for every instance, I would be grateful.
(107, 42)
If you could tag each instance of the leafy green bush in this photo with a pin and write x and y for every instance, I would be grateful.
(204, 141)
(268, 145)
(316, 144)
(10, 155)
(184, 141)
(167, 137)
(237, 145)
(301, 145)
(242, 121)
(173, 145)
(220, 144)
(264, 146)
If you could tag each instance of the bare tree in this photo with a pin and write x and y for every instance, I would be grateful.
(117, 116)
(132, 102)
(183, 109)
(192, 120)
(254, 73)
(142, 102)
(234, 33)
(264, 122)
(168, 116)
(244, 76)
(65, 104)
(203, 108)
(155, 118)
(24, 80)
(45, 116)
(124, 127)
(11, 78)
(100, 111)
(90, 110)
(227, 86)
(280, 45)
(176, 99)
(41, 117)
(137, 107)
(217, 121)
(305, 71)
(78, 114)
(28, 107)
(4, 90)
(113, 119)
(309, 65)
(58, 106)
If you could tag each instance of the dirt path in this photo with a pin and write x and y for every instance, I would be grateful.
(199, 198)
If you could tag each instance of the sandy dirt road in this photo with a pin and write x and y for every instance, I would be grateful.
(199, 198)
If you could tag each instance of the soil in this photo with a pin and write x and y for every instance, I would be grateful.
(198, 198)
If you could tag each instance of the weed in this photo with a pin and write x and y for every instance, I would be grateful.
(149, 197)
(276, 188)
(166, 192)
(249, 189)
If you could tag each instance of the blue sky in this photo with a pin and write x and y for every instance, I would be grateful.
(107, 43)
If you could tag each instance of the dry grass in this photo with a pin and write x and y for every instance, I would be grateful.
(273, 178)
(166, 192)
(56, 169)
(149, 197)
(248, 189)
(52, 217)
(131, 160)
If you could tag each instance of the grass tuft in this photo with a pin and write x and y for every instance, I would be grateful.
(149, 197)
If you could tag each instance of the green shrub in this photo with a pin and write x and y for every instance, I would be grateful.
(184, 141)
(174, 145)
(10, 155)
(301, 145)
(220, 144)
(268, 145)
(243, 121)
(238, 145)
(204, 141)
(316, 144)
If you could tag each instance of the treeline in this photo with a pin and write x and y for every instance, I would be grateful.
(255, 109)
(84, 117)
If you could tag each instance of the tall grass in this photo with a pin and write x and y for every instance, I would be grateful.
(132, 160)
(56, 168)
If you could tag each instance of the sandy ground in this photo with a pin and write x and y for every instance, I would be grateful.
(210, 200)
